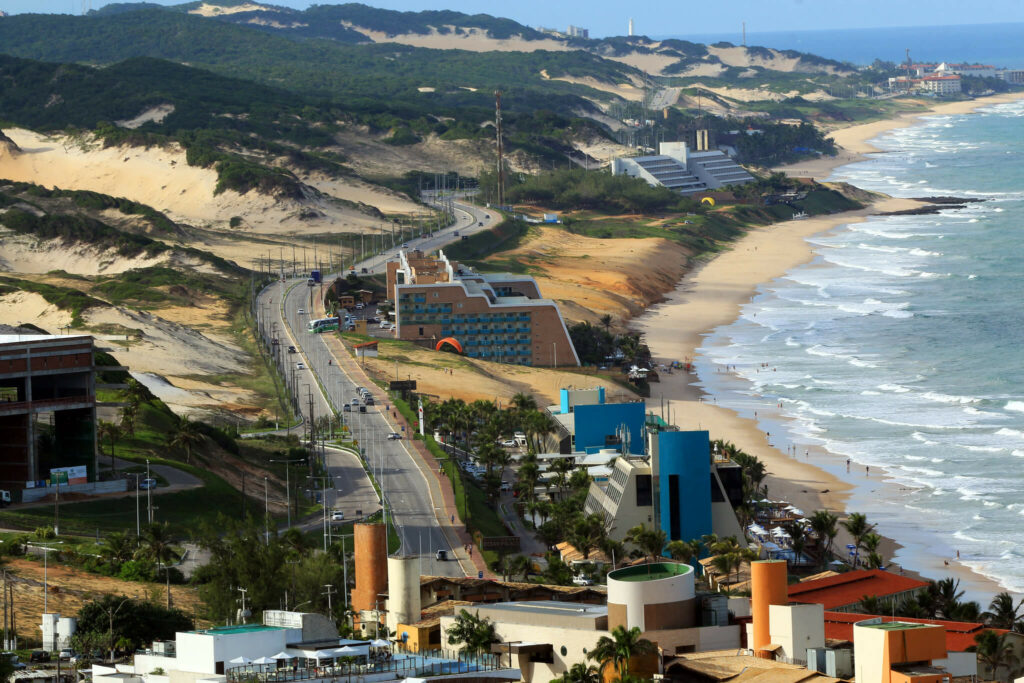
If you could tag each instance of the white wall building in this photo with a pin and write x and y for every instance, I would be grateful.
(685, 171)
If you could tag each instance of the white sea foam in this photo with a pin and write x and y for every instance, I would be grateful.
(1017, 406)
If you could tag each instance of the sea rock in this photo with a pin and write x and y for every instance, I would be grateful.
(7, 146)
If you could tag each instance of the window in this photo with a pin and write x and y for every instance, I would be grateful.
(673, 507)
(421, 331)
(435, 295)
(643, 490)
(564, 651)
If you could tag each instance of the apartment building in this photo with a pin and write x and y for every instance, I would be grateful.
(499, 317)
(47, 410)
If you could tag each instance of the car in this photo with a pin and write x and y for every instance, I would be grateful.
(13, 657)
(360, 306)
(509, 443)
(362, 409)
(364, 270)
(300, 366)
(580, 580)
(66, 653)
(372, 321)
(301, 311)
(147, 484)
(506, 486)
(39, 657)
(274, 342)
(368, 400)
(394, 436)
(465, 237)
(291, 349)
(337, 516)
(456, 233)
(405, 246)
(80, 659)
(346, 408)
(441, 555)
(480, 223)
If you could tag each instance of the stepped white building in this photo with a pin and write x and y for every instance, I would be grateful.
(679, 169)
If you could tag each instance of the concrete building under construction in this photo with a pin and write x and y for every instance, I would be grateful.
(47, 410)
(685, 170)
(371, 565)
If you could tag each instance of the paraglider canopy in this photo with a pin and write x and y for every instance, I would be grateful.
(449, 344)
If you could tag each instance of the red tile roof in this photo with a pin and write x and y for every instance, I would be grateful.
(848, 588)
(959, 634)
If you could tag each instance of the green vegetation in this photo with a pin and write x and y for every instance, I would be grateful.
(576, 189)
(117, 622)
(73, 228)
(506, 235)
(66, 299)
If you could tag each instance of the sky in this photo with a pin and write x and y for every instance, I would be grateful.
(672, 17)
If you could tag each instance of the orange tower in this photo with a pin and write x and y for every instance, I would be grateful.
(371, 560)
(767, 587)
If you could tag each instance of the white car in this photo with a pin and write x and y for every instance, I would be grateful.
(580, 580)
(506, 486)
(301, 311)
(337, 516)
(300, 366)
(509, 443)
(394, 436)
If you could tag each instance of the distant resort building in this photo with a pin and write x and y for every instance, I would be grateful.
(495, 316)
(687, 172)
(577, 32)
(934, 84)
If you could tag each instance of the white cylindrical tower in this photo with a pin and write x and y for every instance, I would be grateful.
(403, 591)
(652, 597)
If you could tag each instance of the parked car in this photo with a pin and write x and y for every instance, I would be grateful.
(39, 657)
(15, 662)
(67, 653)
(581, 580)
(394, 436)
(337, 516)
(509, 443)
(147, 484)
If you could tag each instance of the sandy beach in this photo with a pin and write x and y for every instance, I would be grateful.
(853, 141)
(711, 296)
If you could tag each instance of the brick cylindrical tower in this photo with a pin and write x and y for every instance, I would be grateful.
(371, 560)
(767, 587)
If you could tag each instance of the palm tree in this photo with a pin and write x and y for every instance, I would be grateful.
(537, 424)
(476, 633)
(581, 673)
(857, 526)
(606, 322)
(825, 525)
(118, 547)
(108, 431)
(157, 545)
(185, 434)
(561, 467)
(620, 648)
(524, 402)
(1003, 612)
(129, 411)
(587, 534)
(515, 565)
(684, 551)
(650, 541)
(994, 652)
(798, 538)
(615, 550)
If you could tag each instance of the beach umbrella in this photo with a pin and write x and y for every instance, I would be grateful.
(283, 655)
(240, 660)
(348, 651)
(263, 660)
(380, 642)
(324, 654)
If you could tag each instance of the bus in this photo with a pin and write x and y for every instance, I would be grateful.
(323, 325)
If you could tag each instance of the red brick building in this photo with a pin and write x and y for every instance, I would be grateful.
(500, 317)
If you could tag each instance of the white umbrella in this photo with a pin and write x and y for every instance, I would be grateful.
(324, 654)
(380, 642)
(347, 651)
(240, 660)
(263, 660)
(283, 655)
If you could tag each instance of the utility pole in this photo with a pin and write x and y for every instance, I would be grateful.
(329, 591)
(501, 148)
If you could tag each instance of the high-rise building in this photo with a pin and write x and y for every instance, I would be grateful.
(577, 32)
(631, 26)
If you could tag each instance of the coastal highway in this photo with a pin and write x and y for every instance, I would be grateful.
(324, 382)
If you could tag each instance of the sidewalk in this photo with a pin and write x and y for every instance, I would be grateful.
(439, 485)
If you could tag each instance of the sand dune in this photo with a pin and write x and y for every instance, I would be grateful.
(25, 254)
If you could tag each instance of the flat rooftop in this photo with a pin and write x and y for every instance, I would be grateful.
(240, 628)
(651, 572)
(547, 607)
(895, 626)
(24, 338)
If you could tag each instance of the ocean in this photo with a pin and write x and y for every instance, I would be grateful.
(898, 347)
(996, 44)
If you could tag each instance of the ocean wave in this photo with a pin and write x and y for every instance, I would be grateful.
(948, 398)
(894, 388)
(1006, 431)
(1017, 406)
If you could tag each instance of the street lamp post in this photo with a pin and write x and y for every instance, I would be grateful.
(149, 497)
(288, 485)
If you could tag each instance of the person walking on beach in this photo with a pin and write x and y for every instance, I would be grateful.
(847, 464)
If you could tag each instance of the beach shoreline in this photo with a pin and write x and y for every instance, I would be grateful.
(711, 296)
(853, 140)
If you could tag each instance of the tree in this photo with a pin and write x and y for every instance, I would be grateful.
(129, 412)
(825, 525)
(117, 548)
(857, 526)
(619, 648)
(7, 667)
(109, 432)
(524, 403)
(798, 538)
(475, 633)
(650, 541)
(684, 551)
(580, 673)
(561, 467)
(158, 548)
(606, 322)
(1003, 612)
(587, 533)
(185, 434)
(515, 565)
(112, 619)
(994, 652)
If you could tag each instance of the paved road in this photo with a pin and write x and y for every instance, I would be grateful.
(405, 488)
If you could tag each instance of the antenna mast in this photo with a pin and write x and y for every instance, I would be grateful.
(501, 149)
